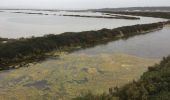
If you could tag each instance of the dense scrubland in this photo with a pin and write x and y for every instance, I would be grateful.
(153, 85)
(26, 50)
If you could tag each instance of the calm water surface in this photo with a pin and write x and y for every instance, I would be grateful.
(16, 25)
(152, 45)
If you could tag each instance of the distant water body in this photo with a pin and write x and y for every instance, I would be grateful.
(17, 25)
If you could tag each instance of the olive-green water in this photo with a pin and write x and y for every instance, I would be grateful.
(71, 75)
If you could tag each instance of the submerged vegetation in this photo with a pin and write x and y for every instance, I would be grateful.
(27, 50)
(153, 85)
(70, 76)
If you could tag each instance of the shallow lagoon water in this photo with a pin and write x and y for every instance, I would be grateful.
(70, 76)
(151, 45)
(16, 25)
(95, 69)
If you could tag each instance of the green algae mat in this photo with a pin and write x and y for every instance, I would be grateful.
(71, 75)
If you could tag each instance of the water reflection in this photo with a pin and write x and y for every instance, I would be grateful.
(15, 25)
(153, 45)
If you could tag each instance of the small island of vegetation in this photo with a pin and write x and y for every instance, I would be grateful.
(108, 17)
(31, 13)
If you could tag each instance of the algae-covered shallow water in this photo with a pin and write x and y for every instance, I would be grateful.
(71, 75)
